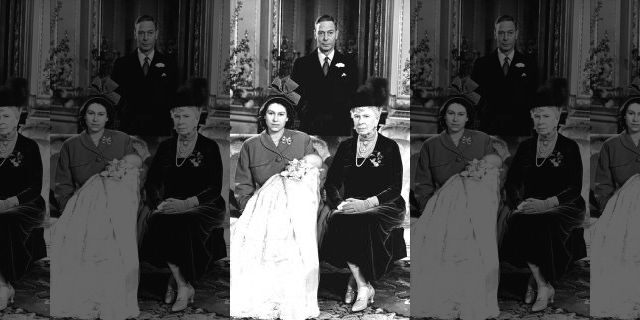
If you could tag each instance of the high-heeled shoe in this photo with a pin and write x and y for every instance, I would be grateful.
(545, 296)
(170, 295)
(183, 298)
(350, 294)
(7, 293)
(530, 295)
(365, 296)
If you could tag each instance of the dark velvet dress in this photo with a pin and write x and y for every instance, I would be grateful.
(192, 239)
(364, 238)
(544, 238)
(22, 178)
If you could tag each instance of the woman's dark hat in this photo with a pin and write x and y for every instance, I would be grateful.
(14, 93)
(282, 88)
(194, 93)
(553, 93)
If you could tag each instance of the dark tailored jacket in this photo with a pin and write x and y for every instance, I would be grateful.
(260, 159)
(439, 159)
(21, 172)
(619, 160)
(326, 101)
(80, 159)
(145, 101)
(559, 176)
(505, 101)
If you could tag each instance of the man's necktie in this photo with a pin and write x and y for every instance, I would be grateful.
(325, 66)
(145, 66)
(505, 66)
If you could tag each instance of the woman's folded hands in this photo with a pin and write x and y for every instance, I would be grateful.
(532, 205)
(352, 205)
(173, 206)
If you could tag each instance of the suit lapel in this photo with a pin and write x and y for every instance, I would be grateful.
(86, 141)
(267, 142)
(448, 143)
(497, 67)
(628, 143)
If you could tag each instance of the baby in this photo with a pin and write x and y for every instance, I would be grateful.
(493, 160)
(313, 159)
(132, 161)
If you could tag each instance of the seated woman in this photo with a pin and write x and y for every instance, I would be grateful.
(21, 207)
(274, 274)
(183, 200)
(369, 169)
(81, 251)
(615, 246)
(543, 189)
(455, 270)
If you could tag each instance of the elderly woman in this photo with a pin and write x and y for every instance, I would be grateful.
(183, 194)
(615, 244)
(275, 270)
(21, 206)
(456, 265)
(543, 189)
(80, 288)
(369, 170)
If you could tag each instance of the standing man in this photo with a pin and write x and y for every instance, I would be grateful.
(327, 81)
(147, 81)
(507, 82)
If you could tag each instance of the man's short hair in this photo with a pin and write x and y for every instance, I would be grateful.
(326, 17)
(146, 17)
(506, 17)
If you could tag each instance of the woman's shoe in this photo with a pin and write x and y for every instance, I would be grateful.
(7, 293)
(545, 296)
(170, 295)
(184, 297)
(350, 294)
(530, 295)
(365, 296)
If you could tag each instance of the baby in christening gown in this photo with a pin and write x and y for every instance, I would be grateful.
(94, 260)
(456, 268)
(275, 268)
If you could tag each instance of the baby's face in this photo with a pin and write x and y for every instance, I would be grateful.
(493, 160)
(314, 160)
(133, 161)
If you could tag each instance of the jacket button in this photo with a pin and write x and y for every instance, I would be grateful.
(278, 159)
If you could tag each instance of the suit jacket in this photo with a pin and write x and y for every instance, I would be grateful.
(80, 159)
(619, 160)
(440, 159)
(326, 101)
(505, 101)
(146, 100)
(260, 159)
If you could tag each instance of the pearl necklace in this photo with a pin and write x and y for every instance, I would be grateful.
(184, 150)
(545, 148)
(364, 148)
(6, 146)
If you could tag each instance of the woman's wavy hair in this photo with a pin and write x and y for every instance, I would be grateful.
(622, 124)
(288, 105)
(462, 100)
(103, 101)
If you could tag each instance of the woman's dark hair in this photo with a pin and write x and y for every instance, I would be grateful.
(101, 100)
(622, 124)
(291, 113)
(466, 103)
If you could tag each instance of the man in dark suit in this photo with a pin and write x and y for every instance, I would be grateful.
(147, 81)
(327, 81)
(507, 82)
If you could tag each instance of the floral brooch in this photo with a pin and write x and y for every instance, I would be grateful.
(376, 158)
(16, 159)
(196, 158)
(286, 140)
(105, 140)
(556, 158)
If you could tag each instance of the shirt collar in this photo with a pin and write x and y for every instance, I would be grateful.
(322, 55)
(141, 56)
(501, 56)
